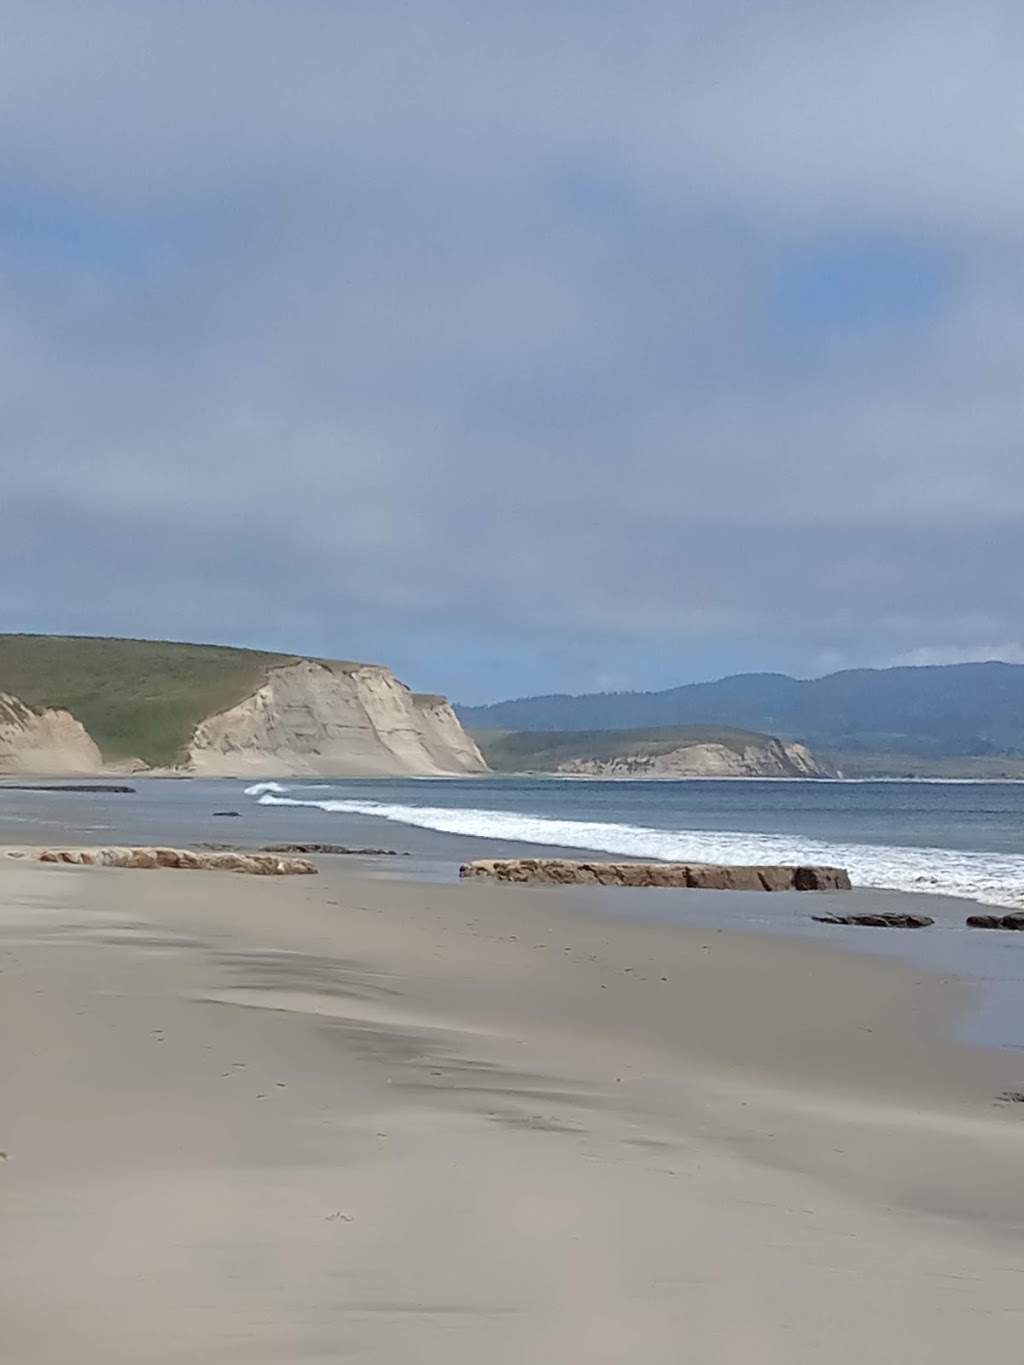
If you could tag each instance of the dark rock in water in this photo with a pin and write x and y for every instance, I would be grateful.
(66, 787)
(1011, 921)
(885, 919)
(693, 876)
(331, 848)
(233, 813)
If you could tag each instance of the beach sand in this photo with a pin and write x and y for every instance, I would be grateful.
(337, 1119)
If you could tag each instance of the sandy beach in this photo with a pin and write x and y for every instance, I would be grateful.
(338, 1119)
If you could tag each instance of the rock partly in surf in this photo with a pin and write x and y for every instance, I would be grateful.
(331, 849)
(885, 919)
(104, 788)
(1012, 921)
(692, 876)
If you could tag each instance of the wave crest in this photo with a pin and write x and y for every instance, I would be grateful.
(991, 878)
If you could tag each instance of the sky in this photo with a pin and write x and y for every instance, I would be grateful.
(557, 346)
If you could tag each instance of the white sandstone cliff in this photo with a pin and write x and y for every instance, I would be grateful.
(443, 736)
(46, 743)
(333, 720)
(771, 758)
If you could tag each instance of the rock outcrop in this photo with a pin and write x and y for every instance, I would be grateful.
(693, 876)
(77, 788)
(258, 864)
(882, 919)
(339, 720)
(340, 850)
(768, 758)
(49, 742)
(1015, 920)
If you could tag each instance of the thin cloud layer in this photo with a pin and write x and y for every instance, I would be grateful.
(519, 349)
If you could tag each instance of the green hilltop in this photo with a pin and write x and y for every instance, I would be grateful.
(137, 698)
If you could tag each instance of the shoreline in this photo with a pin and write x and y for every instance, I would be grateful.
(356, 1116)
(990, 963)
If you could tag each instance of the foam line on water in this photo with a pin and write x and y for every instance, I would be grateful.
(992, 878)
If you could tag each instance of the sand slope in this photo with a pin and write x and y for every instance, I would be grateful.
(47, 741)
(368, 1121)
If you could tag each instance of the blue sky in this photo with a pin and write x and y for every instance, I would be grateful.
(553, 347)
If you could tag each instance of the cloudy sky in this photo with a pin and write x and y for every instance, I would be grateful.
(547, 346)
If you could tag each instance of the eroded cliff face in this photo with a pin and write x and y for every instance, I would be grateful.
(770, 759)
(47, 743)
(335, 720)
(444, 738)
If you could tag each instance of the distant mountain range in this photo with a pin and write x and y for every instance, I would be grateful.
(958, 710)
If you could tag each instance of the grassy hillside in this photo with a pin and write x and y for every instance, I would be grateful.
(137, 698)
(512, 751)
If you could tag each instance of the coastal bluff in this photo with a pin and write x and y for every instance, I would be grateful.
(96, 705)
(690, 876)
(764, 757)
(667, 753)
(340, 720)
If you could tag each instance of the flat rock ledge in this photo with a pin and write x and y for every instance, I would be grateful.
(1012, 921)
(257, 864)
(102, 788)
(693, 876)
(884, 919)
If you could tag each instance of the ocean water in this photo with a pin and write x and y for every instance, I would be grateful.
(948, 838)
(963, 839)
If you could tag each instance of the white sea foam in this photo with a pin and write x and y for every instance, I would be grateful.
(992, 878)
(260, 788)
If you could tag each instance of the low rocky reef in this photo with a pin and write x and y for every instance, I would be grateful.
(692, 876)
(339, 849)
(256, 864)
(102, 788)
(882, 919)
(1011, 921)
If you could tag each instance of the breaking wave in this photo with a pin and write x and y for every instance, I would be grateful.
(992, 878)
(261, 788)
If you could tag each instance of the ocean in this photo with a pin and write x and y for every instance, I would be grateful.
(958, 839)
(962, 839)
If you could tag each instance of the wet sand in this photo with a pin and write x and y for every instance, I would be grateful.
(367, 1120)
